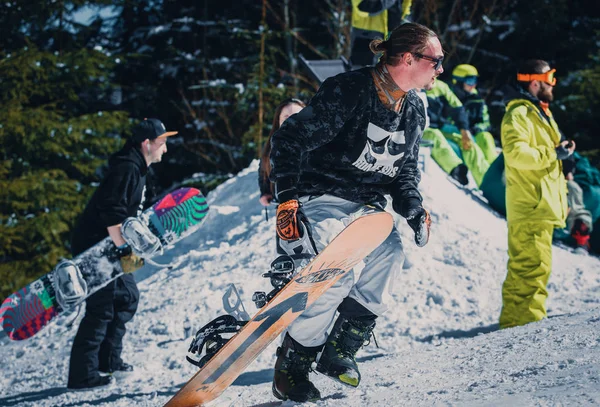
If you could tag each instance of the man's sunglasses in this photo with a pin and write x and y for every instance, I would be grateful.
(437, 61)
(547, 77)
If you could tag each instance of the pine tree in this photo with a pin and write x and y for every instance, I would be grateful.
(53, 140)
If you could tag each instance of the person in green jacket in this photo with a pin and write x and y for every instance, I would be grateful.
(464, 85)
(449, 123)
(536, 192)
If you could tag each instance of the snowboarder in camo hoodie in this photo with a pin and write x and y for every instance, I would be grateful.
(355, 142)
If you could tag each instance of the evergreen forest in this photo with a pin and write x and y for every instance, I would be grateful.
(76, 75)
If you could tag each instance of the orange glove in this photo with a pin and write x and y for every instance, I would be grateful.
(131, 263)
(467, 140)
(287, 220)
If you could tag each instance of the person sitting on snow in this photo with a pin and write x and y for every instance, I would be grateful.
(449, 123)
(579, 219)
(464, 85)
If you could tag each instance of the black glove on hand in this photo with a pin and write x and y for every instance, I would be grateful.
(417, 217)
(421, 224)
(408, 208)
(562, 153)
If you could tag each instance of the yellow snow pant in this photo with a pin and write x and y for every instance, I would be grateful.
(529, 264)
(485, 141)
(475, 158)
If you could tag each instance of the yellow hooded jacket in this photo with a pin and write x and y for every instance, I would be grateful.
(536, 189)
(364, 21)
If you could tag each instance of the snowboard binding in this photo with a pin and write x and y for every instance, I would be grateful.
(142, 241)
(294, 255)
(138, 236)
(69, 286)
(281, 273)
(209, 340)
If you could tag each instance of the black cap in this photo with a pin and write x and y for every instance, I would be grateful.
(150, 129)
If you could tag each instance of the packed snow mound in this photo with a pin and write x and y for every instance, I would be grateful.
(438, 344)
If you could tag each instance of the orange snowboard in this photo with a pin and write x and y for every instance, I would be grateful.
(352, 245)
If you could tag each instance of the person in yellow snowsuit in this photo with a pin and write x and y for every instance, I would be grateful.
(536, 192)
(373, 19)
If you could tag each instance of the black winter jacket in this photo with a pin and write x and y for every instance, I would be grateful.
(348, 144)
(119, 196)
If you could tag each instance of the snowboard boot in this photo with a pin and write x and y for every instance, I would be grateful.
(96, 381)
(291, 372)
(581, 235)
(459, 173)
(346, 338)
(123, 368)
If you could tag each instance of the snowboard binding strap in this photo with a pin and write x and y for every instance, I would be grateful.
(294, 256)
(69, 286)
(209, 340)
(138, 236)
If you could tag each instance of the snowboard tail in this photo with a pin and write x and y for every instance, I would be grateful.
(351, 246)
(27, 311)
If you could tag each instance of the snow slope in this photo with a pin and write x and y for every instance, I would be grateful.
(439, 344)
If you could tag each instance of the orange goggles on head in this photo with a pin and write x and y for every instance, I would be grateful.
(547, 77)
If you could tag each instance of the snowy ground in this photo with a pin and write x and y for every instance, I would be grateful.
(438, 346)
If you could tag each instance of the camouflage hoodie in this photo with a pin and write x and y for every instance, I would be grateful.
(347, 143)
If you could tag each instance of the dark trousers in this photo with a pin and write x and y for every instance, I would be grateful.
(99, 340)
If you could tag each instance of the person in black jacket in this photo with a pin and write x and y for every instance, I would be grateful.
(356, 142)
(284, 110)
(98, 343)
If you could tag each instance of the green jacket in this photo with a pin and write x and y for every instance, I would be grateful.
(476, 108)
(445, 108)
(536, 189)
(588, 178)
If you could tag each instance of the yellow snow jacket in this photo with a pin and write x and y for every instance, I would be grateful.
(536, 189)
(364, 21)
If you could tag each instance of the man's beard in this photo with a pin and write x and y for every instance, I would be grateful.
(430, 84)
(545, 95)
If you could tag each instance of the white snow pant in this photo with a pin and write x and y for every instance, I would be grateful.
(328, 216)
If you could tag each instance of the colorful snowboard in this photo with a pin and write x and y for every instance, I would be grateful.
(27, 311)
(352, 245)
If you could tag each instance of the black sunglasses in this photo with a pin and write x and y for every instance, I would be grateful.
(437, 61)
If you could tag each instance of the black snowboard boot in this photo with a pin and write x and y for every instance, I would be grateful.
(96, 381)
(346, 338)
(459, 173)
(121, 367)
(291, 372)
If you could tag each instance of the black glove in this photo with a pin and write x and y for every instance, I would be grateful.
(285, 190)
(416, 217)
(562, 153)
(420, 224)
(568, 166)
(408, 207)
